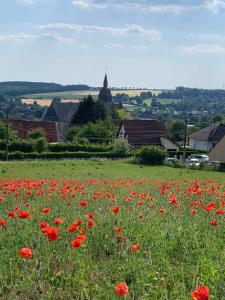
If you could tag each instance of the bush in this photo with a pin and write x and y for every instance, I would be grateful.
(121, 146)
(40, 145)
(151, 155)
(36, 134)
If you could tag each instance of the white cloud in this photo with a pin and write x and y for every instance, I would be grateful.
(204, 49)
(128, 30)
(214, 5)
(48, 37)
(153, 8)
(26, 2)
(120, 46)
(114, 45)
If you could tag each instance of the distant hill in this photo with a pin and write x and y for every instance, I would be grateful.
(19, 88)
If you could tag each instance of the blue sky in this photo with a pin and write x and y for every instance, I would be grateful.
(143, 43)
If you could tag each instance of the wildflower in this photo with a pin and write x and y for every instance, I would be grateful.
(90, 223)
(162, 210)
(25, 253)
(43, 225)
(121, 289)
(83, 203)
(45, 210)
(115, 209)
(135, 247)
(90, 216)
(2, 222)
(72, 228)
(78, 242)
(24, 214)
(11, 214)
(51, 232)
(202, 293)
(213, 223)
(58, 221)
(118, 229)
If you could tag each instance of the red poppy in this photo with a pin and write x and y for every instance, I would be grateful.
(118, 229)
(202, 293)
(51, 232)
(25, 253)
(90, 223)
(162, 210)
(219, 211)
(213, 223)
(72, 228)
(2, 222)
(82, 231)
(122, 289)
(78, 242)
(135, 247)
(116, 209)
(90, 216)
(83, 203)
(11, 214)
(24, 214)
(77, 222)
(43, 225)
(45, 210)
(58, 221)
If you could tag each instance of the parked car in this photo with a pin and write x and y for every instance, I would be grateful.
(194, 162)
(171, 160)
(201, 158)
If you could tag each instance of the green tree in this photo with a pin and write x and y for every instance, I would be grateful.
(89, 111)
(102, 131)
(177, 131)
(36, 134)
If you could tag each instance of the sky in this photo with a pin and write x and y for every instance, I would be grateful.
(139, 43)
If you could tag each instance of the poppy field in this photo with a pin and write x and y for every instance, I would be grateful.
(109, 239)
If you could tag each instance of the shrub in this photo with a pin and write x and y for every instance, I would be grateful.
(36, 134)
(151, 155)
(40, 145)
(121, 146)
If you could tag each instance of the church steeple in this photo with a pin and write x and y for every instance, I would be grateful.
(105, 83)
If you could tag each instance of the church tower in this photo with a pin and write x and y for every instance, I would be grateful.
(105, 95)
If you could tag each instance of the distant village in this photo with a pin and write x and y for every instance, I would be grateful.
(140, 127)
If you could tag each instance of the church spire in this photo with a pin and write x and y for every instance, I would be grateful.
(105, 84)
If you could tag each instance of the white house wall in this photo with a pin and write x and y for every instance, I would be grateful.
(200, 145)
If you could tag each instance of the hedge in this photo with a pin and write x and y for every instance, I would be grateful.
(58, 155)
(68, 147)
(28, 147)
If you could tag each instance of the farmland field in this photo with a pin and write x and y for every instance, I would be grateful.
(76, 229)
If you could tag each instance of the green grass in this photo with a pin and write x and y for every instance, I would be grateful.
(98, 168)
(178, 250)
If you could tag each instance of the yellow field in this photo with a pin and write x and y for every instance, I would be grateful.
(47, 102)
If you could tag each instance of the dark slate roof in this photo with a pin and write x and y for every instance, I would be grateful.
(212, 133)
(144, 132)
(60, 111)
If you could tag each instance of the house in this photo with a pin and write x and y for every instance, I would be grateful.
(218, 152)
(207, 138)
(54, 130)
(60, 111)
(145, 132)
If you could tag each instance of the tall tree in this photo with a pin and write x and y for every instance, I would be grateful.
(89, 111)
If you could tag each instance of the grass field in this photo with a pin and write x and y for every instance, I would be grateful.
(86, 226)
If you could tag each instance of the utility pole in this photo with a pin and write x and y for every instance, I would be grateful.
(185, 141)
(7, 112)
